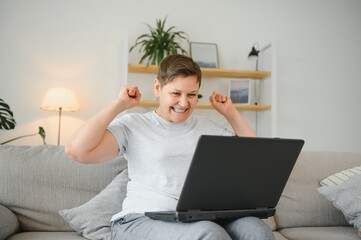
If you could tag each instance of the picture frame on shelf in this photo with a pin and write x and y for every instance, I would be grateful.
(240, 91)
(204, 54)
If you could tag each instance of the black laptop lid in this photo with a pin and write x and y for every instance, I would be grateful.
(230, 173)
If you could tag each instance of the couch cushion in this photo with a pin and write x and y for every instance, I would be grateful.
(320, 233)
(38, 181)
(301, 205)
(92, 219)
(279, 236)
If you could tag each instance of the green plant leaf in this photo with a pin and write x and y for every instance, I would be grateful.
(42, 134)
(159, 42)
(7, 120)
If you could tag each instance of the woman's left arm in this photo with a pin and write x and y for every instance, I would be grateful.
(223, 104)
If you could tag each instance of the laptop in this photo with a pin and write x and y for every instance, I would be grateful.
(232, 177)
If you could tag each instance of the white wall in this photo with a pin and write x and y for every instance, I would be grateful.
(78, 44)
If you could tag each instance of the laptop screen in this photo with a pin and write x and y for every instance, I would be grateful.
(229, 173)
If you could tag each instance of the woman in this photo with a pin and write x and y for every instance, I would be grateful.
(159, 146)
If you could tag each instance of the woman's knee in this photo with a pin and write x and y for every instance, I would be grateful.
(207, 230)
(249, 228)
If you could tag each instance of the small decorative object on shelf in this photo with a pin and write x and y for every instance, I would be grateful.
(205, 54)
(240, 91)
(159, 43)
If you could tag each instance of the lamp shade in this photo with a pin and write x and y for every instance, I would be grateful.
(253, 55)
(60, 98)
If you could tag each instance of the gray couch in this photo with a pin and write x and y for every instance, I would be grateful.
(37, 182)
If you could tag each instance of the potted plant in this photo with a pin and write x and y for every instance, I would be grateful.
(7, 122)
(159, 43)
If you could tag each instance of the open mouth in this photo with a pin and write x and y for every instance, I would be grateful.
(179, 110)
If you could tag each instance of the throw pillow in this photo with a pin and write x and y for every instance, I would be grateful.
(340, 177)
(9, 223)
(346, 197)
(92, 219)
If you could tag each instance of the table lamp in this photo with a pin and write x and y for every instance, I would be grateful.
(60, 99)
(253, 55)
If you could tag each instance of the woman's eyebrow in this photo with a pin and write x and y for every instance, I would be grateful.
(177, 90)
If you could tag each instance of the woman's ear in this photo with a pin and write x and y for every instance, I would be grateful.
(156, 88)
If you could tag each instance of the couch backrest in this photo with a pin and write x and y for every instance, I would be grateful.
(301, 204)
(38, 181)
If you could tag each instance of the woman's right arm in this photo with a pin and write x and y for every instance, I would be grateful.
(93, 143)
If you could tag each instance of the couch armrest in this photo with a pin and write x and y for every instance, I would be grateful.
(9, 223)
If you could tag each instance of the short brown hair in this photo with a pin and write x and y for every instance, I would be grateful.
(175, 65)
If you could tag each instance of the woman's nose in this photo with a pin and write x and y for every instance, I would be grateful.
(183, 101)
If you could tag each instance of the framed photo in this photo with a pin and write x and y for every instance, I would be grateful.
(205, 54)
(240, 91)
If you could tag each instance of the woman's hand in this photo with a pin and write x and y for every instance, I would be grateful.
(222, 103)
(129, 96)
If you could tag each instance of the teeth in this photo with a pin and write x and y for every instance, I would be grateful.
(177, 110)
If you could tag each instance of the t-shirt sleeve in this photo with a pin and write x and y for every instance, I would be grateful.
(119, 131)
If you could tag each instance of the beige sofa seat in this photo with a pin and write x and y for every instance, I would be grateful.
(37, 182)
(320, 233)
(46, 236)
(302, 212)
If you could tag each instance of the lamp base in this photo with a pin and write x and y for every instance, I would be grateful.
(59, 126)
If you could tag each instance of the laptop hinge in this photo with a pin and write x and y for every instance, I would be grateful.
(194, 210)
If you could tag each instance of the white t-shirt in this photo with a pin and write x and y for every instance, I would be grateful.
(159, 154)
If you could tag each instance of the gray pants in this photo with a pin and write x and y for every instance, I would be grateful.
(140, 227)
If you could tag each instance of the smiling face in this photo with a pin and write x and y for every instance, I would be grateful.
(178, 98)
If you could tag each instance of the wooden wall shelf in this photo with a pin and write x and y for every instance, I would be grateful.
(240, 107)
(210, 73)
(206, 72)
